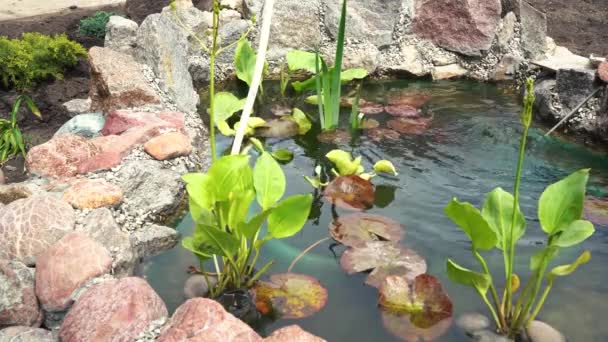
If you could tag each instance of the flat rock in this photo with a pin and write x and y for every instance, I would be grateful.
(448, 71)
(92, 194)
(464, 26)
(29, 226)
(66, 266)
(168, 146)
(120, 121)
(153, 240)
(542, 332)
(26, 334)
(78, 106)
(202, 319)
(60, 157)
(563, 58)
(115, 310)
(18, 303)
(410, 62)
(292, 333)
(86, 125)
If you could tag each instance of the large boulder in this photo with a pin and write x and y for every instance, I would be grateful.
(138, 10)
(60, 157)
(153, 240)
(543, 104)
(533, 30)
(18, 303)
(26, 334)
(115, 310)
(93, 194)
(66, 266)
(292, 333)
(574, 85)
(29, 226)
(121, 34)
(118, 85)
(202, 319)
(464, 26)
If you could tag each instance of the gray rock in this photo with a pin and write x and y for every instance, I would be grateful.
(232, 4)
(153, 240)
(148, 187)
(364, 56)
(121, 34)
(2, 180)
(26, 334)
(574, 85)
(163, 45)
(371, 21)
(78, 106)
(542, 332)
(100, 225)
(410, 62)
(196, 286)
(87, 125)
(449, 71)
(543, 105)
(507, 68)
(472, 322)
(198, 67)
(229, 33)
(489, 336)
(533, 30)
(15, 191)
(506, 31)
(18, 303)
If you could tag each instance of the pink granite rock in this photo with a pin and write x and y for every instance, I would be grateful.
(66, 266)
(29, 226)
(603, 71)
(115, 310)
(168, 146)
(18, 303)
(202, 319)
(120, 121)
(463, 26)
(26, 334)
(93, 194)
(60, 157)
(292, 333)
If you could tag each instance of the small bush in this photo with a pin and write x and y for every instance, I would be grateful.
(36, 57)
(95, 25)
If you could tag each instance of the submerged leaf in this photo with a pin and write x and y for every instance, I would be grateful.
(369, 124)
(404, 111)
(409, 125)
(290, 295)
(350, 192)
(337, 136)
(370, 108)
(354, 230)
(283, 155)
(381, 134)
(407, 97)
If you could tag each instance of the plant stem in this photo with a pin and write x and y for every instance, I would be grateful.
(541, 302)
(529, 301)
(213, 54)
(500, 317)
(492, 311)
(304, 252)
(522, 298)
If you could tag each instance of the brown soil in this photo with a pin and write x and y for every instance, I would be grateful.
(580, 25)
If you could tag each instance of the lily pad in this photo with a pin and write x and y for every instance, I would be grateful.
(384, 258)
(278, 129)
(370, 124)
(354, 230)
(403, 111)
(337, 136)
(409, 125)
(415, 99)
(381, 134)
(350, 192)
(371, 108)
(596, 210)
(290, 295)
(420, 306)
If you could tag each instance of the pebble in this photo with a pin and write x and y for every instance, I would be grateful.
(489, 336)
(542, 332)
(196, 286)
(472, 322)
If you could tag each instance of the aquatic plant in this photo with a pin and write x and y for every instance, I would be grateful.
(11, 138)
(500, 224)
(95, 25)
(36, 57)
(220, 201)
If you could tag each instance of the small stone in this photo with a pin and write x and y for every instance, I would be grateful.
(196, 286)
(153, 240)
(292, 333)
(18, 303)
(93, 194)
(542, 332)
(489, 336)
(78, 106)
(168, 146)
(448, 72)
(471, 322)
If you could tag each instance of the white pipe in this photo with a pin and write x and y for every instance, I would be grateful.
(257, 76)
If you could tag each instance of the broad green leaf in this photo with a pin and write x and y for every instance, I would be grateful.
(562, 203)
(230, 174)
(268, 180)
(309, 84)
(239, 208)
(301, 60)
(225, 129)
(214, 241)
(244, 61)
(313, 100)
(189, 244)
(543, 257)
(200, 215)
(564, 270)
(498, 213)
(472, 223)
(203, 192)
(257, 144)
(573, 234)
(464, 276)
(289, 216)
(283, 155)
(251, 228)
(386, 167)
(353, 74)
(226, 104)
(301, 119)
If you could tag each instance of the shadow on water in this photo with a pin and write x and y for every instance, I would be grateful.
(470, 148)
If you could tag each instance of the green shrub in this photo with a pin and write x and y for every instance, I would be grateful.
(95, 25)
(36, 57)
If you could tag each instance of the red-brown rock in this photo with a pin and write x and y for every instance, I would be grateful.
(120, 121)
(463, 26)
(202, 319)
(168, 146)
(93, 194)
(292, 333)
(18, 303)
(603, 71)
(115, 310)
(66, 266)
(60, 157)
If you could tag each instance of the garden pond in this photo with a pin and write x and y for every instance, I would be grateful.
(470, 148)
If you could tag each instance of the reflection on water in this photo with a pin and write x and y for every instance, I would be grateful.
(470, 149)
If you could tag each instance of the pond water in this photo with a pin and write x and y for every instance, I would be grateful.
(470, 149)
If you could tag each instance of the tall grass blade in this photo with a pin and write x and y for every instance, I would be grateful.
(336, 86)
(319, 86)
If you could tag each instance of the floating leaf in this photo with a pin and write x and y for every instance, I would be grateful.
(411, 98)
(384, 258)
(301, 119)
(283, 155)
(596, 210)
(278, 129)
(410, 125)
(370, 108)
(337, 136)
(386, 167)
(354, 230)
(290, 295)
(418, 309)
(404, 111)
(381, 134)
(369, 124)
(350, 192)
